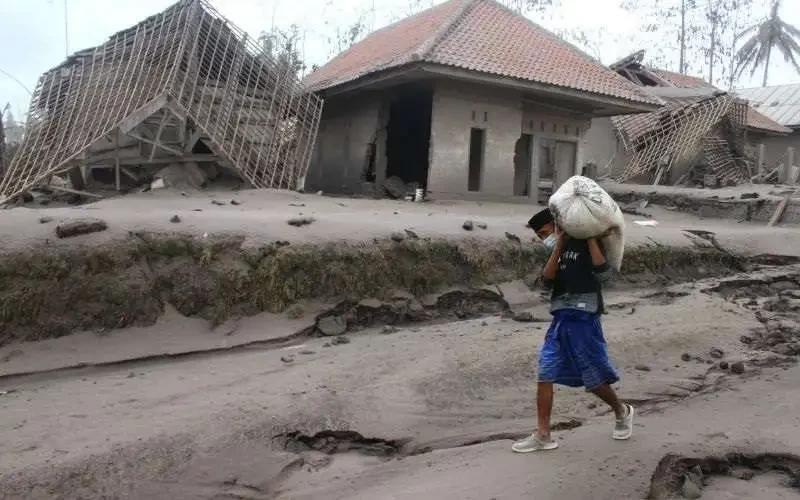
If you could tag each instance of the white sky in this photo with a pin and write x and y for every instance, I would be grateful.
(32, 31)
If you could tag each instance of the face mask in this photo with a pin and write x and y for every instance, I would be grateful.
(550, 242)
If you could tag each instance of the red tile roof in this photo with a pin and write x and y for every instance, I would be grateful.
(481, 36)
(759, 121)
(682, 81)
(385, 48)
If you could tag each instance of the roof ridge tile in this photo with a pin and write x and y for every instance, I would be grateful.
(446, 28)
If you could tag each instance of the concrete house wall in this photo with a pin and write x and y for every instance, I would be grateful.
(347, 128)
(350, 124)
(775, 147)
(602, 146)
(457, 108)
(505, 116)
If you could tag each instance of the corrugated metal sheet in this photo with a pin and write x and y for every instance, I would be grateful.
(781, 103)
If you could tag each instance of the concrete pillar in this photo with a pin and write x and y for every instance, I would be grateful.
(786, 171)
(760, 157)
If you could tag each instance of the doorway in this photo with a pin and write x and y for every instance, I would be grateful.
(546, 159)
(523, 165)
(408, 135)
(566, 155)
(556, 160)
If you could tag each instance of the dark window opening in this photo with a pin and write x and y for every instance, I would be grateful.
(477, 144)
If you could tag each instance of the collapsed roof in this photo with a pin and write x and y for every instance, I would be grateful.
(189, 65)
(480, 36)
(696, 123)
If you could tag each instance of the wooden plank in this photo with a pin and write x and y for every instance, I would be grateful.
(161, 125)
(776, 217)
(129, 174)
(156, 144)
(133, 162)
(192, 141)
(133, 120)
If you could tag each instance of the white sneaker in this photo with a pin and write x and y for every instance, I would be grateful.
(534, 443)
(623, 429)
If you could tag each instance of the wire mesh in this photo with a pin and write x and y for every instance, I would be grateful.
(251, 108)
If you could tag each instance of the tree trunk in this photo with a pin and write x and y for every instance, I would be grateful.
(2, 147)
(682, 69)
(766, 65)
(711, 50)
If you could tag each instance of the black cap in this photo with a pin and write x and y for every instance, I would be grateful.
(541, 219)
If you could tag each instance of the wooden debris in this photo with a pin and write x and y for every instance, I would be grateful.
(776, 217)
(75, 191)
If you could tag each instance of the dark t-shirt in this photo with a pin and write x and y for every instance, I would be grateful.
(578, 283)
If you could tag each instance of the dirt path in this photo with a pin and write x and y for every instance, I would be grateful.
(211, 427)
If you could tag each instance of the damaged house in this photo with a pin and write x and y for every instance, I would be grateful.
(780, 103)
(466, 99)
(699, 134)
(184, 89)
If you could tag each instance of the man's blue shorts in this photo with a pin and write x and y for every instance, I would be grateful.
(574, 352)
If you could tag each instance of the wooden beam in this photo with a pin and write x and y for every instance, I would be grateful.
(192, 140)
(129, 174)
(74, 191)
(161, 125)
(156, 144)
(133, 162)
(175, 110)
(776, 217)
(132, 121)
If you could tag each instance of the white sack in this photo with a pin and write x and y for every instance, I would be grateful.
(585, 210)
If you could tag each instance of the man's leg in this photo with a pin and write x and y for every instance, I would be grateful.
(623, 428)
(544, 407)
(551, 361)
(609, 396)
(598, 373)
(540, 440)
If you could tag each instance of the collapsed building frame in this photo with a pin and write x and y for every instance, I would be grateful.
(152, 93)
(696, 126)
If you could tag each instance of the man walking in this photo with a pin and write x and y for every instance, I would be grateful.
(574, 351)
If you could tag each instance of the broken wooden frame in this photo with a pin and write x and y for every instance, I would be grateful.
(181, 76)
(684, 130)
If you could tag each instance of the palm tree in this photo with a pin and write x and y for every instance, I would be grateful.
(772, 33)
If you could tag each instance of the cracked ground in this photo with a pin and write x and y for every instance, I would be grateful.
(427, 411)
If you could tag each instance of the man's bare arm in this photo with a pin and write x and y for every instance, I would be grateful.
(604, 273)
(551, 268)
(598, 259)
